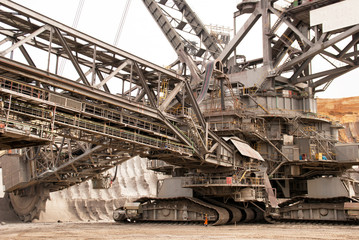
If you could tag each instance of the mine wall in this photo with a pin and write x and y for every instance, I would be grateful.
(83, 203)
(345, 111)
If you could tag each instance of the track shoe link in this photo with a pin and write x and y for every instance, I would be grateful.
(181, 209)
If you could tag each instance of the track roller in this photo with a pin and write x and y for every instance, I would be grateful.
(249, 214)
(235, 215)
(259, 215)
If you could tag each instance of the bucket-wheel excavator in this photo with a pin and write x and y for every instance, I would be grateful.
(240, 137)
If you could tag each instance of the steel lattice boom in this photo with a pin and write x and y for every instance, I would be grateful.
(90, 126)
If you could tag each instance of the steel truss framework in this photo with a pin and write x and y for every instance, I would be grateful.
(290, 49)
(91, 126)
(137, 119)
(154, 113)
(290, 44)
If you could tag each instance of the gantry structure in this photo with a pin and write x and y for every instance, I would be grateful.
(89, 127)
(205, 113)
(268, 101)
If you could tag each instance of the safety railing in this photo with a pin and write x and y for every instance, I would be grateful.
(99, 112)
(131, 121)
(28, 90)
(224, 181)
(98, 128)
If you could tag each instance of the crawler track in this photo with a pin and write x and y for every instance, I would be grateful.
(341, 210)
(182, 209)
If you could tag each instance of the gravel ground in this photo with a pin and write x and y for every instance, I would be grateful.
(149, 231)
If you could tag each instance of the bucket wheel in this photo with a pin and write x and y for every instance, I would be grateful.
(28, 203)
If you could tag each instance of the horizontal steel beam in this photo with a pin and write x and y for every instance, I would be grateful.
(66, 84)
(93, 41)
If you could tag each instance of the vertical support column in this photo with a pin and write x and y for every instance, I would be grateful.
(53, 117)
(94, 66)
(206, 136)
(235, 31)
(306, 32)
(57, 64)
(131, 74)
(8, 113)
(159, 90)
(223, 106)
(266, 26)
(49, 50)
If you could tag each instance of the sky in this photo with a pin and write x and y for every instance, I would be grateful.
(142, 37)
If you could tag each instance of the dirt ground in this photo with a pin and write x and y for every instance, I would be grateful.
(150, 231)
